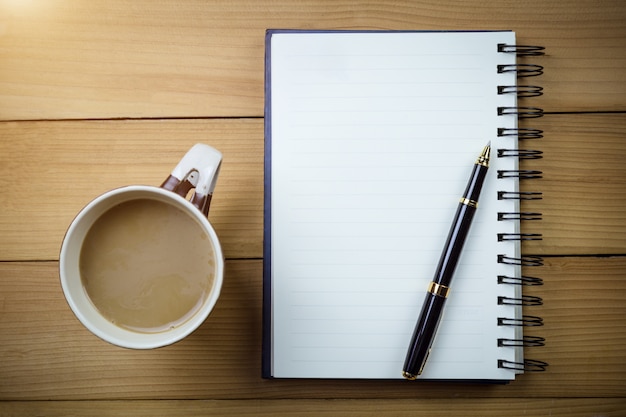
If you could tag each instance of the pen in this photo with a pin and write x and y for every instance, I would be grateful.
(439, 288)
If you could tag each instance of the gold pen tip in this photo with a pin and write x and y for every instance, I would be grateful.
(483, 159)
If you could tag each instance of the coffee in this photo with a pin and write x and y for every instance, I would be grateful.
(146, 265)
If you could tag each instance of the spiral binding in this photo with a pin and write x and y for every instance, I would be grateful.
(521, 133)
(526, 195)
(521, 90)
(520, 153)
(522, 174)
(529, 365)
(519, 215)
(522, 50)
(525, 321)
(525, 300)
(526, 341)
(504, 237)
(521, 112)
(523, 280)
(522, 260)
(522, 70)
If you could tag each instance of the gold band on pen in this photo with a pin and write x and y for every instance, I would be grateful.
(438, 289)
(468, 202)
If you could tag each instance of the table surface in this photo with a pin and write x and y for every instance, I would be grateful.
(99, 94)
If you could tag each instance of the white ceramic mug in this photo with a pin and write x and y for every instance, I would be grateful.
(198, 169)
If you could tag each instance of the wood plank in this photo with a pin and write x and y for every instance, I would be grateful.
(584, 185)
(103, 59)
(583, 182)
(48, 355)
(468, 407)
(50, 170)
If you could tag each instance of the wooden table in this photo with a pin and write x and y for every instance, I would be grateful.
(99, 94)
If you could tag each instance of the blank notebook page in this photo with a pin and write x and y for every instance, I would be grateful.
(372, 139)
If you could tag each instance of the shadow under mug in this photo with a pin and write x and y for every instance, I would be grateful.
(198, 170)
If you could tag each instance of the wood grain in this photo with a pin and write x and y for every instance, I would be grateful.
(584, 185)
(48, 355)
(605, 407)
(61, 166)
(50, 170)
(106, 59)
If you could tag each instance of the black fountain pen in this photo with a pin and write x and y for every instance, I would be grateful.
(438, 289)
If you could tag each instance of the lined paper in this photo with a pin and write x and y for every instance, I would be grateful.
(373, 137)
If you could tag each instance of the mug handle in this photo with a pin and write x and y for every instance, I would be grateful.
(198, 169)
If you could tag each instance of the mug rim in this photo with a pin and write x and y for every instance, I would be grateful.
(78, 299)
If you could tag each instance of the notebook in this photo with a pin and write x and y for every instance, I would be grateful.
(370, 138)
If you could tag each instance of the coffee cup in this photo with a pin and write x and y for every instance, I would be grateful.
(140, 266)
